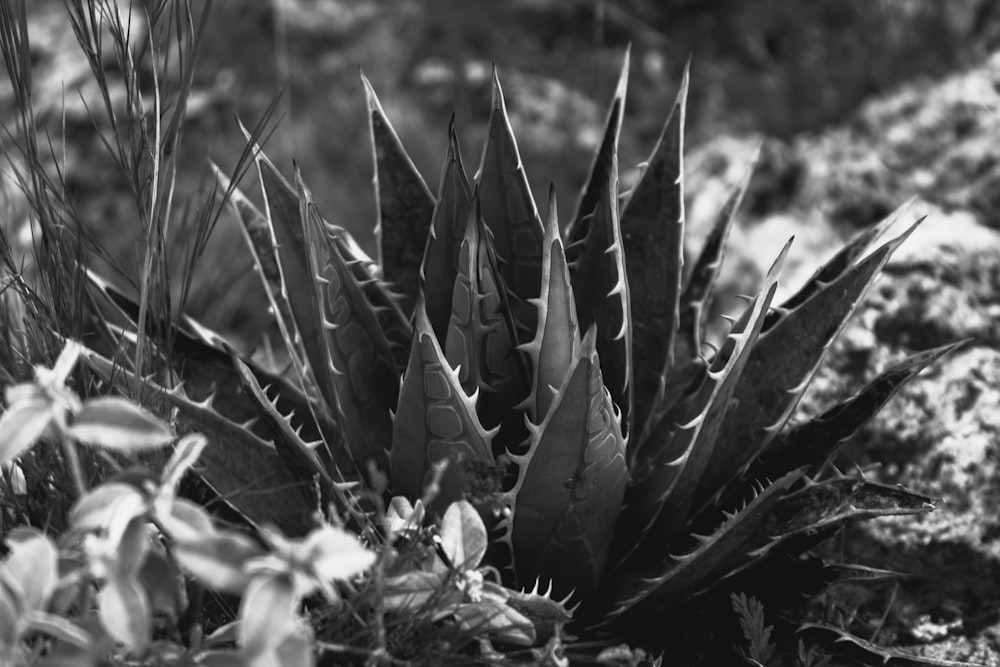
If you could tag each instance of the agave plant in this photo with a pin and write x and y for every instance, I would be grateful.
(552, 372)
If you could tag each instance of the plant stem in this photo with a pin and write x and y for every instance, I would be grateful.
(69, 447)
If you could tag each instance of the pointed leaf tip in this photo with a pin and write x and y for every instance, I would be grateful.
(404, 204)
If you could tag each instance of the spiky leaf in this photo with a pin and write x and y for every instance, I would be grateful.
(652, 229)
(203, 368)
(441, 257)
(663, 587)
(243, 469)
(769, 391)
(571, 482)
(590, 196)
(510, 213)
(814, 442)
(325, 458)
(868, 652)
(435, 421)
(688, 362)
(840, 262)
(257, 233)
(826, 505)
(481, 340)
(557, 337)
(356, 371)
(601, 288)
(670, 466)
(405, 204)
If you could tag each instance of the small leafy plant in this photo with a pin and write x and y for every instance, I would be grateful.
(136, 537)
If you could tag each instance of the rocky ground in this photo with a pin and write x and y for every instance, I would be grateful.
(838, 153)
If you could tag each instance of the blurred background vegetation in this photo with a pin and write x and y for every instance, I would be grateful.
(775, 68)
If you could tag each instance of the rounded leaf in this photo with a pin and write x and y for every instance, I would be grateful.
(463, 535)
(401, 516)
(132, 548)
(109, 507)
(218, 560)
(21, 426)
(60, 628)
(335, 554)
(124, 612)
(186, 521)
(33, 563)
(158, 576)
(267, 613)
(117, 424)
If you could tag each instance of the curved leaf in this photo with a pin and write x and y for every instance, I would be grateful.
(333, 554)
(267, 613)
(463, 535)
(21, 425)
(648, 593)
(125, 613)
(218, 560)
(830, 504)
(202, 366)
(118, 424)
(839, 263)
(813, 443)
(326, 458)
(781, 365)
(870, 651)
(660, 502)
(33, 563)
(493, 616)
(58, 628)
